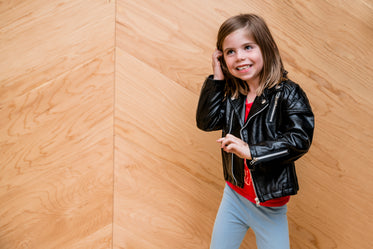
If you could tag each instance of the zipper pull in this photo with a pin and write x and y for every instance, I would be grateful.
(253, 161)
(257, 201)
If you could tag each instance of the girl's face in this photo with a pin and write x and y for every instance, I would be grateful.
(243, 57)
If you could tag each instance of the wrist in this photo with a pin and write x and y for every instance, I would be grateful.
(248, 154)
(218, 77)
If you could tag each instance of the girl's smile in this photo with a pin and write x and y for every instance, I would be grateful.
(243, 68)
(243, 57)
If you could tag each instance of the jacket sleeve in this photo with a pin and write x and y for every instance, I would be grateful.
(295, 136)
(210, 109)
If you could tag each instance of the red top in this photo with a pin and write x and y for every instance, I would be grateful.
(248, 190)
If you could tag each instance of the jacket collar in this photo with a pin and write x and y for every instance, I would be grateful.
(260, 102)
(238, 105)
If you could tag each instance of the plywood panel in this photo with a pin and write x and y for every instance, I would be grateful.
(163, 55)
(56, 174)
(42, 39)
(56, 124)
(161, 189)
(335, 183)
(165, 43)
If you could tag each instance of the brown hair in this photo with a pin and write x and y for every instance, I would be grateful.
(272, 73)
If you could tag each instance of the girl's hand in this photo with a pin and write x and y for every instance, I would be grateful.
(216, 66)
(232, 144)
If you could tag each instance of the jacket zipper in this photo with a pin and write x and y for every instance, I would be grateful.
(256, 159)
(252, 180)
(275, 106)
(229, 131)
(256, 195)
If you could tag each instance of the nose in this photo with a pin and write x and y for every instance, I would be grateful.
(240, 55)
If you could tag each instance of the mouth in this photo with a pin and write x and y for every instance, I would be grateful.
(243, 67)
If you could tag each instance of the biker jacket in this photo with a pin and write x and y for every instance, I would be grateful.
(278, 130)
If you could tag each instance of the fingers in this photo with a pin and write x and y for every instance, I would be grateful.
(216, 66)
(229, 137)
(232, 144)
(229, 140)
(217, 55)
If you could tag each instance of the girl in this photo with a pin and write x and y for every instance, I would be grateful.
(266, 122)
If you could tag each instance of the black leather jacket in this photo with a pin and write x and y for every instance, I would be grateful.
(278, 130)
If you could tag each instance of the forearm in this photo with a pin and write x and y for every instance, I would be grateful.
(210, 109)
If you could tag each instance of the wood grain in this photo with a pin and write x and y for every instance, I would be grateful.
(56, 124)
(43, 39)
(325, 47)
(159, 184)
(55, 169)
(98, 143)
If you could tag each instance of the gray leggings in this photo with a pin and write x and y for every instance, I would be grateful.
(237, 214)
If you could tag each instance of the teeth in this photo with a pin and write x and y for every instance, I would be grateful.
(243, 67)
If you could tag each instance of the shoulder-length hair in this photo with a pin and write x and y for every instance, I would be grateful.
(272, 73)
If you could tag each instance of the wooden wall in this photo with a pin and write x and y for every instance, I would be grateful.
(56, 123)
(98, 142)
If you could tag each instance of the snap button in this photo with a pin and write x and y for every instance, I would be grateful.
(263, 101)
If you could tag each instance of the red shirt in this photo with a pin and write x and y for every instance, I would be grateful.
(248, 190)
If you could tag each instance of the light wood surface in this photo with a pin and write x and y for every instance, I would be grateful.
(98, 143)
(56, 124)
(157, 191)
(162, 46)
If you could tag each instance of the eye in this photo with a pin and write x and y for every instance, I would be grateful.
(229, 52)
(248, 47)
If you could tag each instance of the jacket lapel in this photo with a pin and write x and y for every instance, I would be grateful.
(260, 103)
(238, 105)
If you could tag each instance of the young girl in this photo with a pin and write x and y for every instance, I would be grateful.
(266, 122)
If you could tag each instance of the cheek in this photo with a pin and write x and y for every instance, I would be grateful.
(229, 64)
(261, 65)
(231, 70)
(259, 61)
